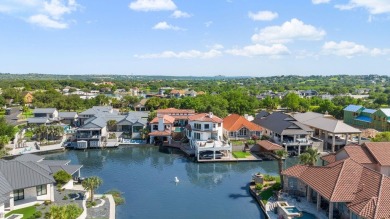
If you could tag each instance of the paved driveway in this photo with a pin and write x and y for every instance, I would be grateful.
(13, 117)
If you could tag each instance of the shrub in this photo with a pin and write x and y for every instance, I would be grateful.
(47, 202)
(117, 195)
(62, 177)
(38, 214)
(259, 186)
(250, 142)
(65, 198)
(277, 186)
(268, 178)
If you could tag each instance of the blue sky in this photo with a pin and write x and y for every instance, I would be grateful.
(197, 38)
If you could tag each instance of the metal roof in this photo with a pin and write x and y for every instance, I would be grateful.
(24, 174)
(44, 110)
(29, 157)
(5, 188)
(55, 162)
(67, 114)
(38, 120)
(353, 108)
(386, 111)
(282, 124)
(71, 169)
(370, 111)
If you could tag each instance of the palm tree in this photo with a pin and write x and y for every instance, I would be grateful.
(310, 157)
(92, 183)
(111, 124)
(281, 155)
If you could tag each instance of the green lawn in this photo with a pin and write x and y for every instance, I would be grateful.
(27, 114)
(240, 154)
(237, 142)
(269, 192)
(27, 212)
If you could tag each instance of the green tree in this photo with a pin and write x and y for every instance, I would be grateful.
(281, 155)
(91, 184)
(111, 125)
(310, 157)
(382, 137)
(291, 101)
(62, 177)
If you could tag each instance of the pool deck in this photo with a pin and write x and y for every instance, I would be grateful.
(303, 205)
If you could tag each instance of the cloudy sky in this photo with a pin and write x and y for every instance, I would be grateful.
(196, 37)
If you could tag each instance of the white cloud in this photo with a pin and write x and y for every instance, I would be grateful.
(373, 6)
(191, 54)
(351, 49)
(208, 23)
(152, 5)
(316, 2)
(217, 46)
(45, 21)
(180, 14)
(262, 15)
(165, 26)
(44, 13)
(288, 31)
(260, 50)
(56, 8)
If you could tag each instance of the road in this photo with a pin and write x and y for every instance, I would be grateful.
(13, 117)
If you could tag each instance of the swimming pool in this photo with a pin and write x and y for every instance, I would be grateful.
(307, 215)
(292, 209)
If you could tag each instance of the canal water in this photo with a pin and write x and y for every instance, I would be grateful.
(145, 175)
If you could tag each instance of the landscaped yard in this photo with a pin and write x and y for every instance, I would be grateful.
(27, 114)
(237, 142)
(27, 212)
(269, 192)
(240, 154)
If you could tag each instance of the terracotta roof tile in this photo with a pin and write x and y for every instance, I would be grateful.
(269, 146)
(167, 119)
(235, 122)
(380, 151)
(174, 110)
(160, 133)
(330, 158)
(205, 117)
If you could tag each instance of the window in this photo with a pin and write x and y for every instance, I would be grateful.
(197, 135)
(206, 126)
(18, 194)
(214, 125)
(41, 190)
(219, 124)
(243, 132)
(155, 127)
(197, 126)
(231, 134)
(258, 134)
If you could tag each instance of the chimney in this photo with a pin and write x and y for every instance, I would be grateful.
(211, 114)
(161, 124)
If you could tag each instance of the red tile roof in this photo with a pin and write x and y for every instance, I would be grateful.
(235, 122)
(366, 191)
(205, 117)
(380, 151)
(330, 158)
(174, 110)
(167, 119)
(160, 133)
(269, 146)
(359, 154)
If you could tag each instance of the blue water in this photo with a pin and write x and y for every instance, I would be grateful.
(145, 175)
(306, 215)
(292, 209)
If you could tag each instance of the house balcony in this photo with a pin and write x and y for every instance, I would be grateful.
(87, 136)
(210, 145)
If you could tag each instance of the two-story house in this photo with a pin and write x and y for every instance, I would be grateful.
(238, 127)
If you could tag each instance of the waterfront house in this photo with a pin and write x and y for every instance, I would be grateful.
(205, 133)
(169, 124)
(333, 132)
(95, 130)
(237, 127)
(374, 155)
(286, 131)
(362, 117)
(344, 189)
(95, 111)
(43, 116)
(28, 179)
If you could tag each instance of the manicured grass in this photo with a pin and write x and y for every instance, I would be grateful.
(27, 114)
(237, 142)
(240, 154)
(269, 192)
(27, 212)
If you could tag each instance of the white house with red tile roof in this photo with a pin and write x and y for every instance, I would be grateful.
(161, 128)
(205, 132)
(344, 188)
(238, 127)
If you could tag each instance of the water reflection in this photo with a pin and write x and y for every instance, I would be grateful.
(145, 174)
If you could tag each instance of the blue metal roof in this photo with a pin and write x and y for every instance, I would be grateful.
(370, 111)
(352, 108)
(364, 118)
